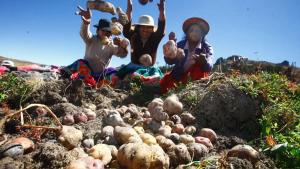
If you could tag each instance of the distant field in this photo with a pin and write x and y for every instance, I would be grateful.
(17, 62)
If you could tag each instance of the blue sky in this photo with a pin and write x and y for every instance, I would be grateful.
(48, 31)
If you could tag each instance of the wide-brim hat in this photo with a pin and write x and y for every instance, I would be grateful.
(104, 24)
(195, 20)
(145, 20)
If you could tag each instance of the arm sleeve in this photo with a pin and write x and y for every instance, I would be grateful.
(119, 51)
(209, 56)
(170, 61)
(160, 33)
(127, 31)
(85, 33)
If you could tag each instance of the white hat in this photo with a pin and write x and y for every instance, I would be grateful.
(7, 63)
(146, 20)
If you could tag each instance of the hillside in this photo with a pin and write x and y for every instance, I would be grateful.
(16, 61)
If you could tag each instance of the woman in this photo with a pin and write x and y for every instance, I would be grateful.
(144, 39)
(192, 56)
(99, 50)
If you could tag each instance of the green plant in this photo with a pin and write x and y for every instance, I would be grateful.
(13, 89)
(280, 122)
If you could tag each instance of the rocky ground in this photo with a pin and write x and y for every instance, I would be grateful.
(210, 103)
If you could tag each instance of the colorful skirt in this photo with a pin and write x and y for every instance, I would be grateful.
(81, 69)
(147, 75)
(168, 82)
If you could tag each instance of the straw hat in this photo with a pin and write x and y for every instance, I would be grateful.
(195, 20)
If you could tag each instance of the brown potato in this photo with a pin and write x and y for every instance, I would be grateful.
(205, 141)
(186, 139)
(179, 154)
(208, 133)
(164, 142)
(244, 152)
(172, 105)
(178, 128)
(124, 134)
(197, 150)
(101, 152)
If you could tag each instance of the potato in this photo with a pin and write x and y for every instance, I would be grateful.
(186, 139)
(179, 154)
(174, 137)
(146, 114)
(68, 119)
(86, 163)
(134, 156)
(160, 160)
(113, 118)
(122, 110)
(110, 140)
(170, 49)
(107, 131)
(164, 142)
(205, 141)
(178, 128)
(165, 130)
(139, 130)
(148, 138)
(80, 117)
(91, 115)
(134, 112)
(172, 105)
(208, 133)
(159, 115)
(197, 150)
(170, 123)
(142, 156)
(187, 119)
(190, 130)
(70, 137)
(154, 126)
(176, 119)
(244, 152)
(155, 103)
(125, 134)
(113, 150)
(101, 152)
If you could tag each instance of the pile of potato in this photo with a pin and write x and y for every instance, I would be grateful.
(160, 136)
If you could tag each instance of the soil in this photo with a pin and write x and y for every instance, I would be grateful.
(215, 103)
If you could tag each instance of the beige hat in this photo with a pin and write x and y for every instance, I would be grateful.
(146, 20)
(195, 20)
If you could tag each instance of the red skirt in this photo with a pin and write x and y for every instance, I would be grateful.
(168, 82)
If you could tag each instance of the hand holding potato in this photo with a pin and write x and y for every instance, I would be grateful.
(200, 58)
(170, 49)
(85, 14)
(180, 54)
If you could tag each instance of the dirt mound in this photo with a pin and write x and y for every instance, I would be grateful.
(219, 105)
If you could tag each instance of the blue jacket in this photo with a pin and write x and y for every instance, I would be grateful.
(178, 69)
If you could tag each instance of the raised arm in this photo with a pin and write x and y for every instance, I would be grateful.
(85, 32)
(161, 7)
(127, 31)
(160, 33)
(129, 9)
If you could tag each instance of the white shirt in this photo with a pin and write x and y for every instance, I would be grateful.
(97, 53)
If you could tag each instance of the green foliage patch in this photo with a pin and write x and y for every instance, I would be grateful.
(280, 102)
